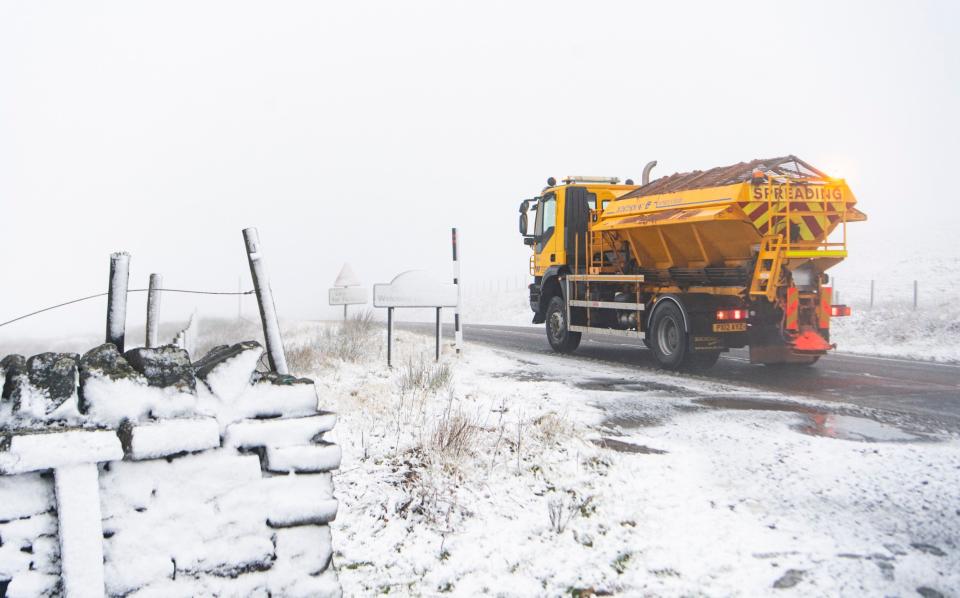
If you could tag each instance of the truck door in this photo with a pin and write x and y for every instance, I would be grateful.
(544, 231)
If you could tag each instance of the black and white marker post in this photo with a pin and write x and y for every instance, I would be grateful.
(457, 333)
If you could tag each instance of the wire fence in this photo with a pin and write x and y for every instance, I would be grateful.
(869, 293)
(129, 291)
(496, 285)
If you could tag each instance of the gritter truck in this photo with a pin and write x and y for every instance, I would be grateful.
(695, 263)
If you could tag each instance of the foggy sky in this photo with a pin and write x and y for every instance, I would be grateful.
(362, 131)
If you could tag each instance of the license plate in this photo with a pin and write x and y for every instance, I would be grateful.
(730, 327)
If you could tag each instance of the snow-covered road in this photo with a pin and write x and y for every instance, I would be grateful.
(923, 391)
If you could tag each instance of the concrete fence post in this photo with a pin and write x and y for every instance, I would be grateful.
(153, 311)
(268, 311)
(117, 298)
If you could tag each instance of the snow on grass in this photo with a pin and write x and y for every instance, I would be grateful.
(506, 474)
(931, 333)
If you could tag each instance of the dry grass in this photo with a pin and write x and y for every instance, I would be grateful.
(562, 510)
(423, 377)
(353, 340)
(550, 428)
(560, 513)
(440, 461)
(304, 358)
(455, 433)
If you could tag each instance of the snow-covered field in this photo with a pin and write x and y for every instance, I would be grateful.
(505, 474)
(892, 327)
(511, 474)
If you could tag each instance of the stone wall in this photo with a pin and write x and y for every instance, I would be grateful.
(145, 474)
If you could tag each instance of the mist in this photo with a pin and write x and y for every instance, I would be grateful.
(362, 132)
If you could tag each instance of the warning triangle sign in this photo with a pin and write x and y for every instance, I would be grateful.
(346, 278)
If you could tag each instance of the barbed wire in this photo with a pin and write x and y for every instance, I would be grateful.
(72, 301)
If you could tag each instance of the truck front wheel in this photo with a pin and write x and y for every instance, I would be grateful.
(558, 332)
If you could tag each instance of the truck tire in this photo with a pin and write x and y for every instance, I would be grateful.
(701, 360)
(558, 333)
(668, 339)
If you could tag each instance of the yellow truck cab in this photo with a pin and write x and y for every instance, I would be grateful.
(566, 208)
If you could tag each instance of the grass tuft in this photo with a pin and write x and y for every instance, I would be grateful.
(424, 377)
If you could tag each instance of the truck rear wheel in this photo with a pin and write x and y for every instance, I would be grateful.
(558, 332)
(702, 360)
(668, 339)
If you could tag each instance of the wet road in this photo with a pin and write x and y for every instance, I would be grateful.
(928, 390)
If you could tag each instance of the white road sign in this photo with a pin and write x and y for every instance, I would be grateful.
(415, 288)
(346, 278)
(348, 296)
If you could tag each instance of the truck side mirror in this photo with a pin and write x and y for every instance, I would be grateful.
(529, 241)
(523, 223)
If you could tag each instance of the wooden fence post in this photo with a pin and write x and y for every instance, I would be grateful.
(915, 295)
(117, 298)
(153, 311)
(268, 311)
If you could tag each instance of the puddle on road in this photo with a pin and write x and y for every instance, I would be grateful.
(626, 447)
(820, 423)
(849, 427)
(622, 385)
(753, 404)
(631, 420)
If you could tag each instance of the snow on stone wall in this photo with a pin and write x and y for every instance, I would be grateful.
(144, 474)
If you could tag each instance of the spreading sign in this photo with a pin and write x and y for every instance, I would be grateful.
(415, 288)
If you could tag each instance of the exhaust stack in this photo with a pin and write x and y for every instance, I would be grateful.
(646, 172)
